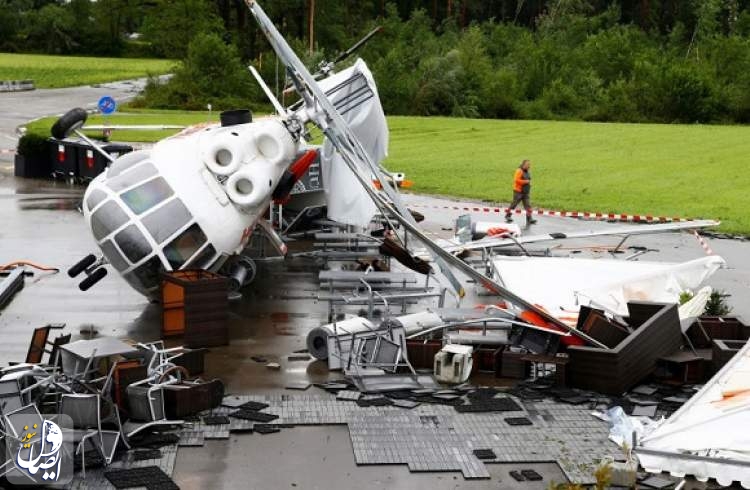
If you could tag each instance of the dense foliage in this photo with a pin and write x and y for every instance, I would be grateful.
(602, 60)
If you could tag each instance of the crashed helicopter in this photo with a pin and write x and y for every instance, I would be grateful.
(194, 199)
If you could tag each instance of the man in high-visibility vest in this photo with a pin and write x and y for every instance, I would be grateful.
(521, 192)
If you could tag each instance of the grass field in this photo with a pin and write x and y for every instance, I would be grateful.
(670, 170)
(67, 71)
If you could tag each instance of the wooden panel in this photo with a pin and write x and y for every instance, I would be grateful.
(616, 370)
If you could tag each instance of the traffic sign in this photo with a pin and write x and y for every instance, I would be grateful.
(107, 105)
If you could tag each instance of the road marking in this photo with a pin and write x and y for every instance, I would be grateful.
(596, 216)
(704, 244)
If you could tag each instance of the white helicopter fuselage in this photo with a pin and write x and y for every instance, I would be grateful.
(190, 202)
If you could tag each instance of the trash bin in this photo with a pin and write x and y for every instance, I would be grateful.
(64, 158)
(195, 304)
(33, 165)
(91, 163)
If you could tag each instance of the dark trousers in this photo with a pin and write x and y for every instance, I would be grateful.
(519, 197)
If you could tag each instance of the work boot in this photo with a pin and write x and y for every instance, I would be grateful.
(530, 221)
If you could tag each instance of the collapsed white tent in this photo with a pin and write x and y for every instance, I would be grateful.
(561, 285)
(346, 202)
(708, 437)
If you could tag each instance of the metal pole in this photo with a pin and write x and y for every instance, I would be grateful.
(94, 145)
(311, 26)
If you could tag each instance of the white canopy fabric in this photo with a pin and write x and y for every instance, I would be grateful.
(708, 437)
(347, 202)
(561, 285)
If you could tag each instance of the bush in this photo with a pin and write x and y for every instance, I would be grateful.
(717, 304)
(677, 91)
(212, 73)
(32, 145)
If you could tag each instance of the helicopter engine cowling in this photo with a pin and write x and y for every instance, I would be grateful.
(250, 185)
(274, 143)
(226, 153)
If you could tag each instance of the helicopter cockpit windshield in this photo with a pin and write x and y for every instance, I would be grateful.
(141, 225)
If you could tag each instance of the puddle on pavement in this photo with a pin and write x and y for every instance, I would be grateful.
(50, 203)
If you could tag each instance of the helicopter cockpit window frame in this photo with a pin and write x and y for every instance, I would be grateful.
(133, 243)
(126, 162)
(114, 256)
(203, 259)
(147, 195)
(139, 173)
(95, 198)
(166, 220)
(147, 275)
(185, 246)
(108, 218)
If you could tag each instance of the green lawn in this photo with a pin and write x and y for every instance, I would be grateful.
(67, 71)
(133, 117)
(673, 170)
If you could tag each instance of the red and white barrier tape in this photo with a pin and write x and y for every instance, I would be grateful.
(704, 244)
(563, 214)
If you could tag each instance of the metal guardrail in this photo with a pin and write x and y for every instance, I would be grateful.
(16, 85)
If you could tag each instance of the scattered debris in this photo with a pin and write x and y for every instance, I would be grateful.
(10, 285)
(484, 453)
(297, 385)
(151, 477)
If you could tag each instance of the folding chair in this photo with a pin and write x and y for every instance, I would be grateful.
(7, 464)
(146, 406)
(85, 412)
(15, 421)
(10, 396)
(21, 383)
(40, 341)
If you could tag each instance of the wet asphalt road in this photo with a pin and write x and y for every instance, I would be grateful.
(17, 108)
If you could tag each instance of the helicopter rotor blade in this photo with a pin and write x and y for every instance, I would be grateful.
(327, 118)
(345, 54)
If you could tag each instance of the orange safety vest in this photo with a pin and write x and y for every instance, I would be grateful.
(519, 182)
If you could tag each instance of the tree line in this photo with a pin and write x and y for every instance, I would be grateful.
(600, 60)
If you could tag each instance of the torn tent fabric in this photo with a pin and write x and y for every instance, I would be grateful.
(561, 285)
(347, 202)
(708, 437)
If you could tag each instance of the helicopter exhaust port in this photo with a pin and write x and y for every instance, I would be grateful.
(226, 154)
(274, 143)
(236, 116)
(243, 187)
(241, 273)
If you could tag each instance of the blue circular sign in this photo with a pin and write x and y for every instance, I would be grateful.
(107, 105)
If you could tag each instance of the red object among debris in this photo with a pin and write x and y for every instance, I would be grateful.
(498, 231)
(292, 175)
(299, 167)
(536, 319)
(404, 184)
